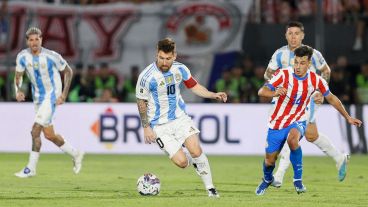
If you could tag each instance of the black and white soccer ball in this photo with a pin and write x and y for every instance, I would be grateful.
(148, 184)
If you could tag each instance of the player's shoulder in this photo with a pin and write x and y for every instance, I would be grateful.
(23, 53)
(50, 53)
(179, 65)
(148, 72)
(282, 49)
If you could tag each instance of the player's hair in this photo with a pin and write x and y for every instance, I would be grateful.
(295, 24)
(166, 45)
(33, 30)
(304, 50)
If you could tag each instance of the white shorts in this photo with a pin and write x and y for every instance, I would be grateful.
(44, 113)
(311, 110)
(172, 135)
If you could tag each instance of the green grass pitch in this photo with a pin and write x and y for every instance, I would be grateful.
(110, 180)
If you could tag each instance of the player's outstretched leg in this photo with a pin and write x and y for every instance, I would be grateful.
(203, 169)
(284, 164)
(266, 180)
(77, 156)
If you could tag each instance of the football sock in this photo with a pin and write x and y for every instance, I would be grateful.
(296, 158)
(67, 148)
(33, 159)
(203, 169)
(267, 172)
(328, 148)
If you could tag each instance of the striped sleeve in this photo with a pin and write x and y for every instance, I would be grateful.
(275, 62)
(60, 63)
(188, 80)
(318, 61)
(276, 80)
(20, 63)
(323, 86)
(142, 87)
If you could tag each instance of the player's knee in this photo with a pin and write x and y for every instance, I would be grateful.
(49, 136)
(270, 161)
(311, 136)
(196, 153)
(36, 133)
(183, 163)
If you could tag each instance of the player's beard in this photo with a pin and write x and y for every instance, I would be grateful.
(165, 68)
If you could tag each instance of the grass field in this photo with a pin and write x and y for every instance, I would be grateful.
(110, 180)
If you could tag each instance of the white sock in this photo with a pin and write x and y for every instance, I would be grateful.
(69, 149)
(203, 169)
(33, 159)
(328, 148)
(189, 158)
(358, 44)
(284, 163)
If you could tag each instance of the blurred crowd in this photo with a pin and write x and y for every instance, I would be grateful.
(102, 83)
(242, 82)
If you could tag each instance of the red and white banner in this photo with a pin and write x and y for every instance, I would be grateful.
(126, 34)
(227, 129)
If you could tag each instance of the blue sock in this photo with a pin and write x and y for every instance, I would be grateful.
(296, 158)
(267, 172)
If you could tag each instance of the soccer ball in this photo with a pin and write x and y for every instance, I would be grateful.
(148, 184)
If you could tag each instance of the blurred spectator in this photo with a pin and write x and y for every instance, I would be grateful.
(351, 10)
(247, 65)
(106, 96)
(360, 26)
(105, 79)
(285, 12)
(333, 10)
(127, 93)
(362, 84)
(339, 85)
(228, 85)
(84, 90)
(4, 27)
(256, 82)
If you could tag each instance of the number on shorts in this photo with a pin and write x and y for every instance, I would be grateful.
(160, 143)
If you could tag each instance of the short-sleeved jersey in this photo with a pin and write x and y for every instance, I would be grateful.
(284, 57)
(43, 72)
(291, 107)
(162, 91)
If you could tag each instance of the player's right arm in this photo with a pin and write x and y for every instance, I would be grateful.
(20, 67)
(142, 94)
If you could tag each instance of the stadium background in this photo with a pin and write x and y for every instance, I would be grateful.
(227, 46)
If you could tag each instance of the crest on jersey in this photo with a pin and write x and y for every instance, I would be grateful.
(35, 65)
(162, 83)
(169, 79)
(43, 65)
(177, 77)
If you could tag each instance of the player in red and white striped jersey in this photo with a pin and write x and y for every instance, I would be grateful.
(293, 88)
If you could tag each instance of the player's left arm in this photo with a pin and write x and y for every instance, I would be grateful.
(336, 103)
(203, 92)
(68, 75)
(326, 72)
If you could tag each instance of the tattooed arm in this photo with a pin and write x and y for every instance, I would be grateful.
(142, 108)
(18, 79)
(68, 74)
(268, 74)
(149, 134)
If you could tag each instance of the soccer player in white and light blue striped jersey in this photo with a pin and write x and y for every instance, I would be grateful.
(43, 68)
(163, 115)
(283, 58)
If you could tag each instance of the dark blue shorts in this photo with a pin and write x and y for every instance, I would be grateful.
(276, 138)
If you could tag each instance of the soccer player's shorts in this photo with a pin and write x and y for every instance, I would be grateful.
(276, 138)
(311, 110)
(44, 112)
(172, 135)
